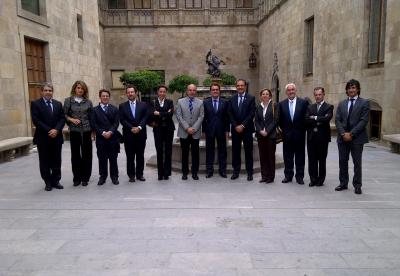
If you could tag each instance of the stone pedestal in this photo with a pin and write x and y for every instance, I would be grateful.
(177, 164)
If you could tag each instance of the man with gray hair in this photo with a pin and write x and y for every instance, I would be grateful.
(190, 114)
(292, 112)
(49, 120)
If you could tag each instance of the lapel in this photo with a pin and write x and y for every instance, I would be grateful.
(321, 109)
(286, 109)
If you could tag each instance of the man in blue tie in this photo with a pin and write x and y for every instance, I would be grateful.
(351, 121)
(292, 113)
(215, 127)
(48, 118)
(133, 116)
(242, 107)
(190, 114)
(105, 122)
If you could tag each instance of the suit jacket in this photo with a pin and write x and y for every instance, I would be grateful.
(165, 118)
(358, 120)
(102, 121)
(267, 122)
(128, 121)
(293, 130)
(319, 128)
(215, 123)
(186, 119)
(44, 121)
(244, 117)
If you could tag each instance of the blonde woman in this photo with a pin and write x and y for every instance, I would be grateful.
(77, 109)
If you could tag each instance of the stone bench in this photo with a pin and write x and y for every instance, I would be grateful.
(13, 147)
(394, 140)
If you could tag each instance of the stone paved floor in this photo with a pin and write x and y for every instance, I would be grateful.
(209, 227)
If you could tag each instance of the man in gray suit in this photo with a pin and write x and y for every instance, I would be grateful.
(190, 114)
(351, 123)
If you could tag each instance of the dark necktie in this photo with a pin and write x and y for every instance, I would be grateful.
(48, 103)
(105, 108)
(318, 107)
(349, 114)
(191, 105)
(240, 103)
(215, 106)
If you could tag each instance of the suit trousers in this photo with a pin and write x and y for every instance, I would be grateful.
(134, 149)
(317, 153)
(81, 155)
(50, 161)
(294, 150)
(210, 153)
(108, 152)
(163, 138)
(191, 144)
(266, 149)
(237, 139)
(356, 153)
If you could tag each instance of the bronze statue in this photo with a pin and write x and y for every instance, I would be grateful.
(213, 63)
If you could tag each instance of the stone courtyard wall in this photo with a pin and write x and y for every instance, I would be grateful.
(179, 51)
(68, 58)
(340, 52)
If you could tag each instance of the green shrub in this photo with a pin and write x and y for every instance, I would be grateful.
(226, 78)
(144, 80)
(180, 82)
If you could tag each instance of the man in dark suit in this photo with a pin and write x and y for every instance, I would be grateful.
(318, 117)
(163, 129)
(215, 127)
(241, 115)
(292, 112)
(105, 122)
(133, 116)
(352, 117)
(48, 118)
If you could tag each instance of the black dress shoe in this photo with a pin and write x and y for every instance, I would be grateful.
(319, 184)
(195, 177)
(286, 180)
(262, 180)
(131, 179)
(160, 177)
(234, 176)
(58, 186)
(223, 175)
(341, 188)
(250, 177)
(84, 183)
(115, 181)
(48, 187)
(141, 178)
(101, 181)
(269, 181)
(184, 177)
(77, 183)
(300, 181)
(208, 175)
(166, 177)
(357, 191)
(312, 184)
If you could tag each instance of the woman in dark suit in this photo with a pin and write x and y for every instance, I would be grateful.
(266, 119)
(77, 109)
(163, 128)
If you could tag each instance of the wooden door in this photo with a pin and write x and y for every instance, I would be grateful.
(36, 67)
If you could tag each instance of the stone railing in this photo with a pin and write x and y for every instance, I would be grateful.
(188, 17)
